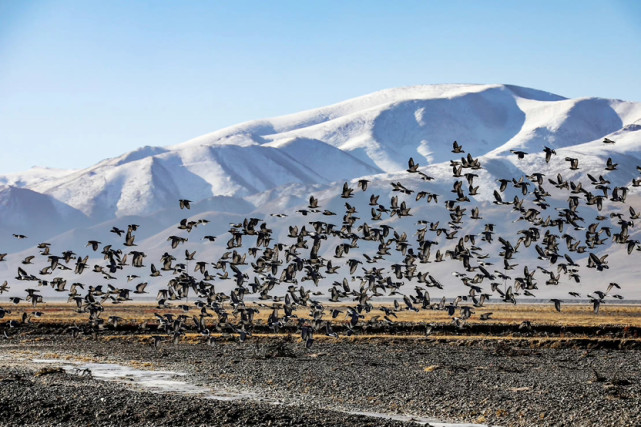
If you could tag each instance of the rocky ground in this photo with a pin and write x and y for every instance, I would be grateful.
(489, 381)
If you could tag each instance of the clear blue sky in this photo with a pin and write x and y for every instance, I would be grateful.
(84, 80)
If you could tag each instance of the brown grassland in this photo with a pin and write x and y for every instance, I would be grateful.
(571, 315)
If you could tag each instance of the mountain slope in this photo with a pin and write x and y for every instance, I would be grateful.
(364, 136)
(267, 167)
(26, 212)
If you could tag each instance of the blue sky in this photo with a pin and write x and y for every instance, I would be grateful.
(84, 80)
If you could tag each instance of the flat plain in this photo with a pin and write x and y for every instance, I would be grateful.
(527, 365)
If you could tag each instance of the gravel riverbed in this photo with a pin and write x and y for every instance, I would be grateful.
(491, 382)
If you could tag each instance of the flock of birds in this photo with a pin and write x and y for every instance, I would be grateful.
(270, 275)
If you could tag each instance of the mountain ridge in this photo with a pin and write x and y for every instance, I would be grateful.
(270, 167)
(366, 135)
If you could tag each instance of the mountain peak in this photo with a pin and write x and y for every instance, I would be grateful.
(370, 134)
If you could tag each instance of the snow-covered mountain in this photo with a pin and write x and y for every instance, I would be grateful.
(271, 166)
(26, 212)
(364, 136)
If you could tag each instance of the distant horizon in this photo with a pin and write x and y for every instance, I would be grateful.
(85, 81)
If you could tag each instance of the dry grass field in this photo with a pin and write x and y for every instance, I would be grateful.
(580, 315)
